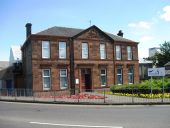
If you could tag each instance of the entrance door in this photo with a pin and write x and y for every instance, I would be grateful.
(86, 79)
(9, 84)
(88, 82)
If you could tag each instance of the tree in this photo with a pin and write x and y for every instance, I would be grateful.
(162, 57)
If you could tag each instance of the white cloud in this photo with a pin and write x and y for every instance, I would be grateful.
(146, 42)
(166, 14)
(141, 24)
(146, 39)
(143, 52)
(132, 25)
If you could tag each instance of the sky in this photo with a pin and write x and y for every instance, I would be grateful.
(144, 21)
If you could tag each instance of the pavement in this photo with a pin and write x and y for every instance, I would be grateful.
(32, 115)
(109, 99)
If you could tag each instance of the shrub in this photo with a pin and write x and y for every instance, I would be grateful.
(144, 87)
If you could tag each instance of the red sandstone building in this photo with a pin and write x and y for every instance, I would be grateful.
(67, 58)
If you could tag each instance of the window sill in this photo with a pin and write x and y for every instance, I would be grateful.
(63, 88)
(46, 89)
(45, 58)
(62, 58)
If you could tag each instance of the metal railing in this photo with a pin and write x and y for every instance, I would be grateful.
(95, 96)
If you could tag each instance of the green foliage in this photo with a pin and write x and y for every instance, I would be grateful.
(145, 86)
(163, 57)
(143, 89)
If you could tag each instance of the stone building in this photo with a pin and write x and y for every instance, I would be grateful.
(62, 58)
(143, 68)
(5, 75)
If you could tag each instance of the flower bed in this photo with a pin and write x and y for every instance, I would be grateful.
(79, 96)
(166, 95)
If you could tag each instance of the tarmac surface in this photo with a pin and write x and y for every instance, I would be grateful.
(33, 115)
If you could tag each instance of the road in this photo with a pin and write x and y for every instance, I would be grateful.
(27, 115)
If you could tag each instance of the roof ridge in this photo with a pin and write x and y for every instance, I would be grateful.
(68, 27)
(70, 32)
(60, 27)
(119, 36)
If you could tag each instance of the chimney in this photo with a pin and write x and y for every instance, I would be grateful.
(28, 29)
(120, 33)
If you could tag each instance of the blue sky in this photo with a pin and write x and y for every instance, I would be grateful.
(145, 21)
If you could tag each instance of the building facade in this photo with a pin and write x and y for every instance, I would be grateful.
(5, 75)
(153, 51)
(66, 58)
(143, 69)
(15, 54)
(167, 69)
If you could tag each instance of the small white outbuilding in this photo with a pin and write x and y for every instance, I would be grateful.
(15, 54)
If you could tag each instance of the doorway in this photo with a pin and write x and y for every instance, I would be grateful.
(86, 79)
(9, 84)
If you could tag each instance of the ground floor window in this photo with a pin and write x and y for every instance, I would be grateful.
(63, 79)
(0, 84)
(46, 79)
(119, 75)
(130, 75)
(103, 77)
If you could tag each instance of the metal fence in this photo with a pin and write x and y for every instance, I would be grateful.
(96, 96)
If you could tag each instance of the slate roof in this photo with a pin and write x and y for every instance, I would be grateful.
(70, 32)
(6, 73)
(4, 64)
(167, 64)
(119, 38)
(143, 61)
(60, 31)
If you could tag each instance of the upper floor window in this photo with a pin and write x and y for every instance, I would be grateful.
(45, 49)
(102, 51)
(63, 78)
(103, 77)
(118, 52)
(84, 50)
(46, 79)
(129, 52)
(62, 50)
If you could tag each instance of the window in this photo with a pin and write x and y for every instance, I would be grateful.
(119, 75)
(84, 50)
(129, 52)
(118, 52)
(103, 77)
(63, 78)
(45, 49)
(102, 51)
(0, 84)
(62, 50)
(130, 75)
(46, 79)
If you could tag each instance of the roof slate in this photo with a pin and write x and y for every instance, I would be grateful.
(60, 31)
(167, 64)
(70, 32)
(4, 64)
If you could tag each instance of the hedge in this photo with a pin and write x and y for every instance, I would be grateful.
(143, 87)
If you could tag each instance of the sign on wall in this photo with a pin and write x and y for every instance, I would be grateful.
(77, 81)
(156, 71)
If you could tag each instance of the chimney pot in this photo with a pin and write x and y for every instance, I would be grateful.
(120, 33)
(28, 29)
